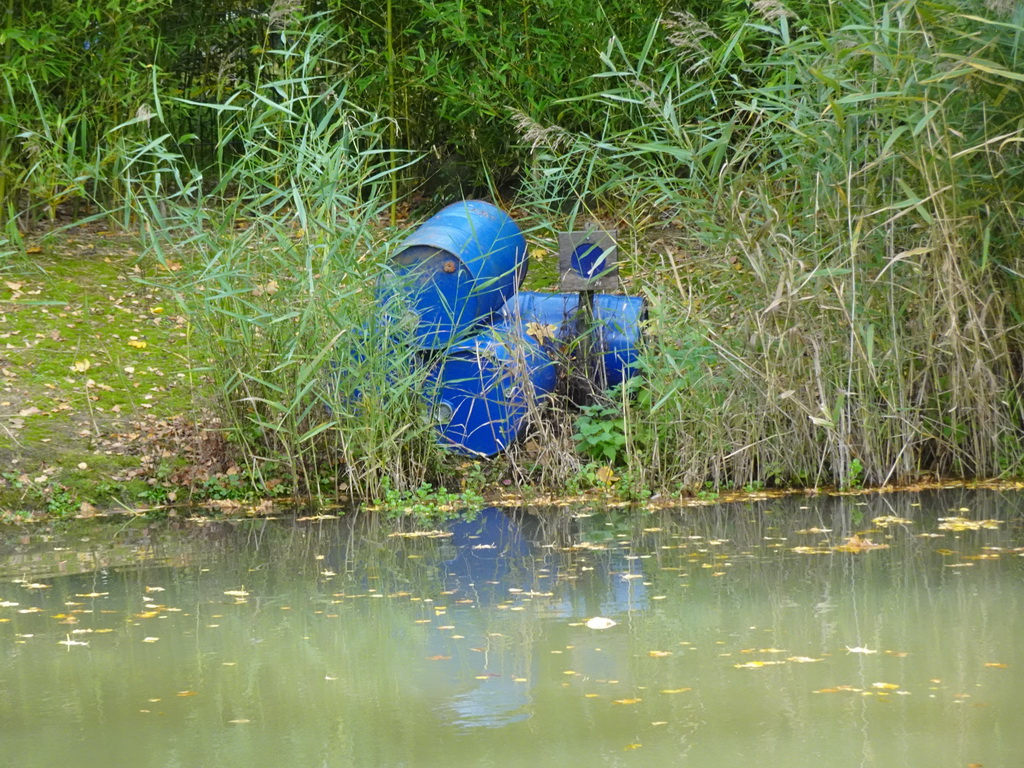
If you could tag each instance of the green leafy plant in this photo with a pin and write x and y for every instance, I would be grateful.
(600, 432)
(427, 504)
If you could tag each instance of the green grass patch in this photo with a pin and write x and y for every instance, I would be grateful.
(90, 356)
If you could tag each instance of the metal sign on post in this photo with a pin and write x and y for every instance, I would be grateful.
(588, 260)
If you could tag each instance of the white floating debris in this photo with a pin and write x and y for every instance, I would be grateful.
(599, 622)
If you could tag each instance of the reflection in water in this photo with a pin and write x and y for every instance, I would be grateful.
(488, 550)
(742, 636)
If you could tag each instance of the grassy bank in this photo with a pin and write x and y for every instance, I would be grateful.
(824, 215)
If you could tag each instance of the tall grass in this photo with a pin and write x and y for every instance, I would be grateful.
(840, 302)
(823, 208)
(275, 265)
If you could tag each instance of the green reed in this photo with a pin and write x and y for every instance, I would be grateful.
(275, 266)
(832, 245)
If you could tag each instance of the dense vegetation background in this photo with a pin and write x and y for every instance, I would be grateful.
(823, 201)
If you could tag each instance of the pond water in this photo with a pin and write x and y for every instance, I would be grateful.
(742, 636)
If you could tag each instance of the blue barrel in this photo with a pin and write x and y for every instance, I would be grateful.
(618, 324)
(453, 272)
(555, 311)
(481, 391)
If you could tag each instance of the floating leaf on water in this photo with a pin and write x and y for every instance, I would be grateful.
(676, 690)
(236, 593)
(240, 721)
(599, 622)
(859, 649)
(996, 665)
(857, 544)
(886, 520)
(183, 694)
(438, 658)
(964, 524)
(150, 639)
(633, 746)
(815, 530)
(36, 586)
(886, 686)
(802, 659)
(758, 664)
(659, 654)
(627, 701)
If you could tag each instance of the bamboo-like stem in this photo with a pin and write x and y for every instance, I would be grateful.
(392, 113)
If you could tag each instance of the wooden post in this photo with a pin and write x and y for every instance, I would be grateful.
(587, 263)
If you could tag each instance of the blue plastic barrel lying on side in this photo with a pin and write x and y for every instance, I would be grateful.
(483, 388)
(455, 271)
(617, 325)
(556, 312)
